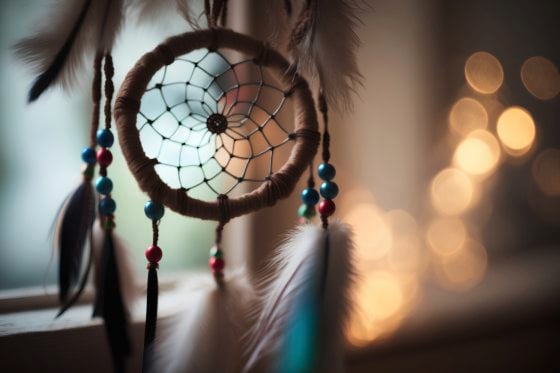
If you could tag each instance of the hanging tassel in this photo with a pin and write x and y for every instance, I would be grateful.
(112, 278)
(152, 295)
(74, 31)
(75, 222)
(304, 308)
(208, 335)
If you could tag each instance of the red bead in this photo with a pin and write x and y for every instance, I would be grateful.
(153, 254)
(104, 157)
(216, 264)
(327, 207)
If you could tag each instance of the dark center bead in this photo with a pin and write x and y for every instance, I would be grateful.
(216, 123)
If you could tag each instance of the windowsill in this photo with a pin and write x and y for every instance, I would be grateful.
(510, 316)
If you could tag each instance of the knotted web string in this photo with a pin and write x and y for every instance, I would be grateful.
(222, 123)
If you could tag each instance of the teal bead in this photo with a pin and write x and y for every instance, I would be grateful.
(309, 196)
(216, 253)
(329, 190)
(103, 185)
(107, 206)
(326, 171)
(154, 210)
(307, 211)
(89, 156)
(105, 138)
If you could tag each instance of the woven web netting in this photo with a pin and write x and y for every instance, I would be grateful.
(214, 123)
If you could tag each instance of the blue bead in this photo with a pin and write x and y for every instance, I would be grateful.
(154, 210)
(105, 138)
(107, 206)
(326, 171)
(88, 155)
(329, 190)
(309, 196)
(103, 185)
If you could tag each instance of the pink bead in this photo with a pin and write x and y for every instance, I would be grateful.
(216, 264)
(153, 254)
(327, 207)
(104, 157)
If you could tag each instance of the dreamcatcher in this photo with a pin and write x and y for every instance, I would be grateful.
(202, 123)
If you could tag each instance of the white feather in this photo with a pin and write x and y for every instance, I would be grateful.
(207, 335)
(328, 50)
(128, 278)
(98, 31)
(298, 259)
(155, 10)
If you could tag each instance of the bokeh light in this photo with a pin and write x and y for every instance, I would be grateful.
(452, 191)
(484, 72)
(516, 130)
(405, 254)
(372, 235)
(541, 78)
(546, 171)
(466, 115)
(378, 307)
(478, 154)
(463, 269)
(446, 236)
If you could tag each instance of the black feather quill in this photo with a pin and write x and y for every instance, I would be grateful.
(110, 306)
(47, 77)
(75, 224)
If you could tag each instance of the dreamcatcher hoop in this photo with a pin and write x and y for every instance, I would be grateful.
(277, 186)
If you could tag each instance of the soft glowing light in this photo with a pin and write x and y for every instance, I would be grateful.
(466, 115)
(540, 77)
(445, 236)
(405, 253)
(378, 307)
(465, 268)
(484, 72)
(516, 130)
(478, 154)
(372, 236)
(546, 171)
(452, 191)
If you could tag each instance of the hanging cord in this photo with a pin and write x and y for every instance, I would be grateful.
(216, 12)
(216, 261)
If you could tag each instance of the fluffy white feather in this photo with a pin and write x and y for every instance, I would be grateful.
(298, 260)
(328, 48)
(207, 335)
(70, 33)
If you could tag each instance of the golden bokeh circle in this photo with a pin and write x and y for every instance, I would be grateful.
(478, 154)
(452, 191)
(466, 115)
(546, 172)
(541, 78)
(446, 236)
(516, 130)
(484, 73)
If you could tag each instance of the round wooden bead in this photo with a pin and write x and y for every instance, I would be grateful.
(326, 171)
(153, 254)
(329, 189)
(107, 206)
(103, 185)
(154, 210)
(105, 138)
(88, 155)
(327, 207)
(307, 211)
(104, 157)
(309, 196)
(216, 264)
